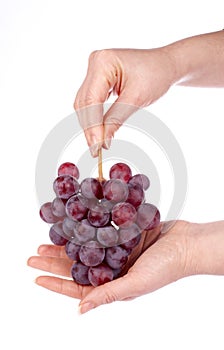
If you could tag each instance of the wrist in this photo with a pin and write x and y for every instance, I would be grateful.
(207, 248)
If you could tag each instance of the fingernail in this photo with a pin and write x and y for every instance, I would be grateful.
(94, 149)
(83, 308)
(107, 143)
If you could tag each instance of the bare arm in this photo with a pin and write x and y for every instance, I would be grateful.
(199, 60)
(140, 77)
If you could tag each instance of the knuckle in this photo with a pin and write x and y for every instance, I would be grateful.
(100, 56)
(109, 296)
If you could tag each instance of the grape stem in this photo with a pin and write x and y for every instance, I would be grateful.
(100, 167)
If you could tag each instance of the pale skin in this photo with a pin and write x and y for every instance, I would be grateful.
(138, 78)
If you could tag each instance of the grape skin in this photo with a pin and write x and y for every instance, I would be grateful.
(140, 179)
(72, 250)
(136, 195)
(120, 171)
(91, 188)
(107, 236)
(58, 207)
(79, 273)
(68, 169)
(124, 214)
(116, 257)
(84, 232)
(65, 186)
(115, 190)
(46, 213)
(57, 235)
(91, 255)
(148, 216)
(100, 274)
(98, 217)
(75, 209)
(129, 237)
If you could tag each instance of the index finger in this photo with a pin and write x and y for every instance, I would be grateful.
(100, 80)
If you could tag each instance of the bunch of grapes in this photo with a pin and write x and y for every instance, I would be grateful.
(98, 221)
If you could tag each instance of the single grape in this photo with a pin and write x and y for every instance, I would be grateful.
(68, 169)
(116, 257)
(91, 188)
(84, 232)
(58, 207)
(135, 195)
(124, 214)
(91, 254)
(140, 179)
(129, 237)
(46, 213)
(107, 236)
(100, 274)
(72, 250)
(115, 190)
(120, 171)
(79, 273)
(57, 235)
(75, 209)
(148, 216)
(68, 226)
(98, 217)
(65, 186)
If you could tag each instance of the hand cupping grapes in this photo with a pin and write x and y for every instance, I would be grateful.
(99, 222)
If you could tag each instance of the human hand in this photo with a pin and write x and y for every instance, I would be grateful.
(172, 251)
(137, 77)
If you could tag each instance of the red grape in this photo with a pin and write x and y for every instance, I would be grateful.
(124, 214)
(91, 188)
(98, 217)
(107, 236)
(91, 255)
(135, 195)
(148, 216)
(120, 171)
(84, 232)
(68, 169)
(72, 250)
(100, 274)
(79, 273)
(125, 234)
(99, 223)
(58, 207)
(115, 190)
(68, 226)
(65, 186)
(46, 213)
(140, 179)
(116, 257)
(57, 235)
(75, 208)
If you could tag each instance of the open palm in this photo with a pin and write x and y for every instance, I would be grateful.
(159, 259)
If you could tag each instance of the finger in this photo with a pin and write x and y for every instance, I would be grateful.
(52, 250)
(119, 289)
(56, 266)
(118, 113)
(91, 121)
(100, 80)
(63, 286)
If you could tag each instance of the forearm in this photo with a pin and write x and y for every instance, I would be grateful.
(208, 248)
(199, 60)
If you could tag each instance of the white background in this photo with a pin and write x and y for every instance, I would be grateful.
(44, 48)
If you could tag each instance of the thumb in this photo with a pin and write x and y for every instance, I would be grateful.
(116, 290)
(117, 114)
